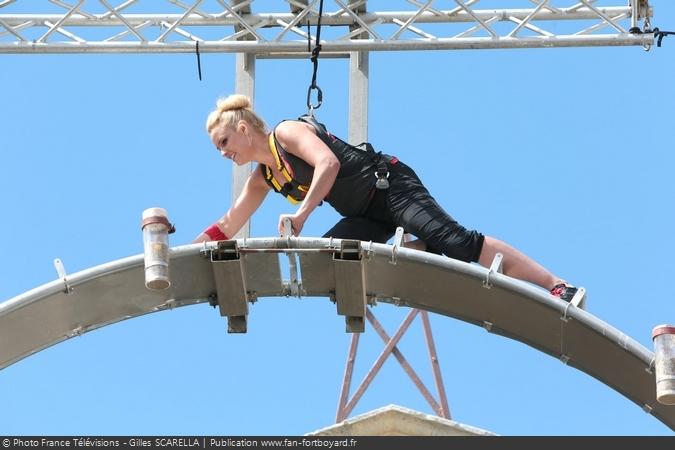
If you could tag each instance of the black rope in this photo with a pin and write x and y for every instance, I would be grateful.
(315, 62)
(199, 61)
(658, 34)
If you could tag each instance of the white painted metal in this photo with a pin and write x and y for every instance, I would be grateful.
(245, 85)
(234, 28)
(358, 84)
(115, 291)
(358, 97)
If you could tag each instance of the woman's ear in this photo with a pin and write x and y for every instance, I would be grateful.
(242, 127)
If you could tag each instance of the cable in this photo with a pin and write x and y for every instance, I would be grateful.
(315, 61)
(199, 61)
(659, 35)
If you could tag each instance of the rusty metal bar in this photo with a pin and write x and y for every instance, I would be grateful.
(406, 366)
(347, 380)
(435, 366)
(391, 344)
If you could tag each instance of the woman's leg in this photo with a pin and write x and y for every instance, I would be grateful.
(516, 264)
(362, 229)
(418, 213)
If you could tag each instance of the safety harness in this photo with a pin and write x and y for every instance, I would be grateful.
(293, 190)
(381, 173)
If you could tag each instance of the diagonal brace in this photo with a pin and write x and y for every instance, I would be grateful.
(390, 348)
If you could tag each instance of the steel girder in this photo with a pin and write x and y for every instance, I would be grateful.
(220, 26)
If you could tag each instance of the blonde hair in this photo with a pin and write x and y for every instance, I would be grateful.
(231, 110)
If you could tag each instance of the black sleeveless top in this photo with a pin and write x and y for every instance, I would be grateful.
(355, 183)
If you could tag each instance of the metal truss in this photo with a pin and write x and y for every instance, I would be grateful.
(144, 26)
(346, 406)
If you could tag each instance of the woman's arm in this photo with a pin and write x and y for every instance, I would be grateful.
(253, 194)
(299, 139)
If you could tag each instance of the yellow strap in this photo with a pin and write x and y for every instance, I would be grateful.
(277, 158)
(277, 187)
(282, 168)
(273, 149)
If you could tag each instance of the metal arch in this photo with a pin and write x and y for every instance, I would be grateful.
(115, 291)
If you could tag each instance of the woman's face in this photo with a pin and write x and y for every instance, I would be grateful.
(233, 143)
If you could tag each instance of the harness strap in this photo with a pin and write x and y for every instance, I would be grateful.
(382, 171)
(291, 184)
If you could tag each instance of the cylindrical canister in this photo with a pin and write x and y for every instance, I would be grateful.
(664, 352)
(156, 228)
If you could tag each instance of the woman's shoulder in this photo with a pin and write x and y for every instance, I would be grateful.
(288, 130)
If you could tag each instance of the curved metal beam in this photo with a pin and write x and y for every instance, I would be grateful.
(116, 291)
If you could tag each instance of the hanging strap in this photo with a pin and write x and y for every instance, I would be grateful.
(659, 35)
(315, 62)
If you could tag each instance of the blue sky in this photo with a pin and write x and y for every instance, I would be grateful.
(564, 153)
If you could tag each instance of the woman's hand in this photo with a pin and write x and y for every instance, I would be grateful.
(297, 223)
(252, 195)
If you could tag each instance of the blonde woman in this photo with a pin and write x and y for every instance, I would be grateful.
(374, 192)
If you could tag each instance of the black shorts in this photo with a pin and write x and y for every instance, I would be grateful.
(408, 204)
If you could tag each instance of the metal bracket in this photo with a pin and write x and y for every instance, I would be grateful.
(205, 251)
(287, 233)
(565, 359)
(579, 299)
(397, 301)
(350, 285)
(564, 317)
(76, 332)
(286, 226)
(368, 251)
(167, 305)
(228, 272)
(236, 324)
(61, 272)
(495, 267)
(488, 326)
(397, 244)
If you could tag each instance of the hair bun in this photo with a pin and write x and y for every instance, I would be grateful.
(234, 102)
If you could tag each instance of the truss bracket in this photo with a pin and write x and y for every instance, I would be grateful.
(350, 285)
(579, 299)
(399, 239)
(294, 284)
(495, 267)
(228, 272)
(61, 271)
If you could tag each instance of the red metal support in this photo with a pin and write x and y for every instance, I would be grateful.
(345, 407)
(347, 380)
(435, 366)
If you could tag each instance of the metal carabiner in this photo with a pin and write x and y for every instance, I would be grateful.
(382, 181)
(319, 98)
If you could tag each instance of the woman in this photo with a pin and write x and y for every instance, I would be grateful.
(374, 192)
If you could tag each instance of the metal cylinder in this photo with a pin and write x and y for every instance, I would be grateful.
(156, 228)
(664, 350)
